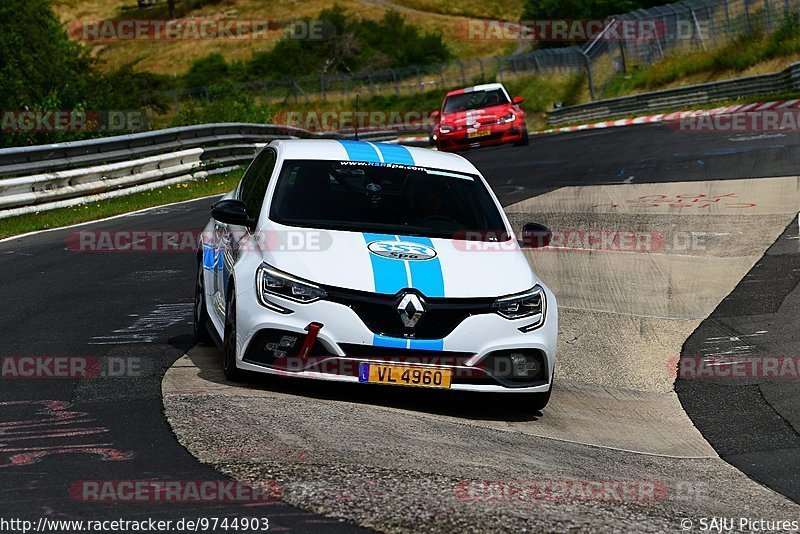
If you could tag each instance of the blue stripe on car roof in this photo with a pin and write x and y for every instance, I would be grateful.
(360, 151)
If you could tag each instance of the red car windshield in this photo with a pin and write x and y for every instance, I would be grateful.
(475, 100)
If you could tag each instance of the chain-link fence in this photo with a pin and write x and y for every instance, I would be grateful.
(639, 38)
(687, 25)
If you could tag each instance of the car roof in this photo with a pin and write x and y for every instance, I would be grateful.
(484, 87)
(346, 150)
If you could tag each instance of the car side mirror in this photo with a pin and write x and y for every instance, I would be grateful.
(232, 211)
(518, 100)
(535, 236)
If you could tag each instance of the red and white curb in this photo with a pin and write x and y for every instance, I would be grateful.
(678, 115)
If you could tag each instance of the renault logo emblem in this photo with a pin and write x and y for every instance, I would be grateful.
(411, 310)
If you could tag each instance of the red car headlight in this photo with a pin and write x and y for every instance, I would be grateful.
(510, 117)
(445, 129)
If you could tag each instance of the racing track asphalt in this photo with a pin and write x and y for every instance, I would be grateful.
(62, 302)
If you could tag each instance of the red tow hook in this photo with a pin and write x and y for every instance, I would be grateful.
(313, 330)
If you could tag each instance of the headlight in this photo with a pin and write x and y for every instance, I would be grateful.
(531, 303)
(507, 118)
(445, 129)
(270, 281)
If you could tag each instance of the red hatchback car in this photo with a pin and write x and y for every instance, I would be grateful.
(483, 115)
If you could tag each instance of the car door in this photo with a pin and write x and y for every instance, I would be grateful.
(251, 191)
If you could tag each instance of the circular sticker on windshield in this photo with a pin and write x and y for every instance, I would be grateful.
(402, 250)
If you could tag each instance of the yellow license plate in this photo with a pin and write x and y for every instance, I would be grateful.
(479, 133)
(401, 375)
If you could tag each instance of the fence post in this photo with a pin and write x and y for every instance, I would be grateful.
(727, 16)
(464, 75)
(205, 90)
(711, 29)
(322, 87)
(786, 8)
(746, 16)
(698, 30)
(396, 87)
(483, 75)
(589, 73)
(622, 55)
(767, 17)
(371, 85)
(499, 68)
(419, 80)
(441, 74)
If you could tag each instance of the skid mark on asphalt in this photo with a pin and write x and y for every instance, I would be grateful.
(149, 327)
(49, 429)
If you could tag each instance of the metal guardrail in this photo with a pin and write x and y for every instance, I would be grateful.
(45, 177)
(779, 82)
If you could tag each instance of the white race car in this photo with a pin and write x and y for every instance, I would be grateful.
(374, 263)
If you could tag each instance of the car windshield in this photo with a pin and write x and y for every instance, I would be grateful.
(385, 198)
(475, 100)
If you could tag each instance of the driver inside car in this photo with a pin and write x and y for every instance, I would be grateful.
(427, 202)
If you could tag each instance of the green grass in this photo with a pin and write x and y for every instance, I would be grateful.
(116, 206)
(742, 53)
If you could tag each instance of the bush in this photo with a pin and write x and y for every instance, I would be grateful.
(349, 44)
(42, 69)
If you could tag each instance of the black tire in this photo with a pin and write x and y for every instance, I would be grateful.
(201, 333)
(538, 401)
(524, 141)
(232, 373)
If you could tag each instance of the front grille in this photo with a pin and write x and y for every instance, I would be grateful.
(380, 314)
(430, 357)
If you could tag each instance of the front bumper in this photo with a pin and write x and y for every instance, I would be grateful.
(344, 342)
(500, 134)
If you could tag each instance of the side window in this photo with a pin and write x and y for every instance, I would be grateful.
(255, 181)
